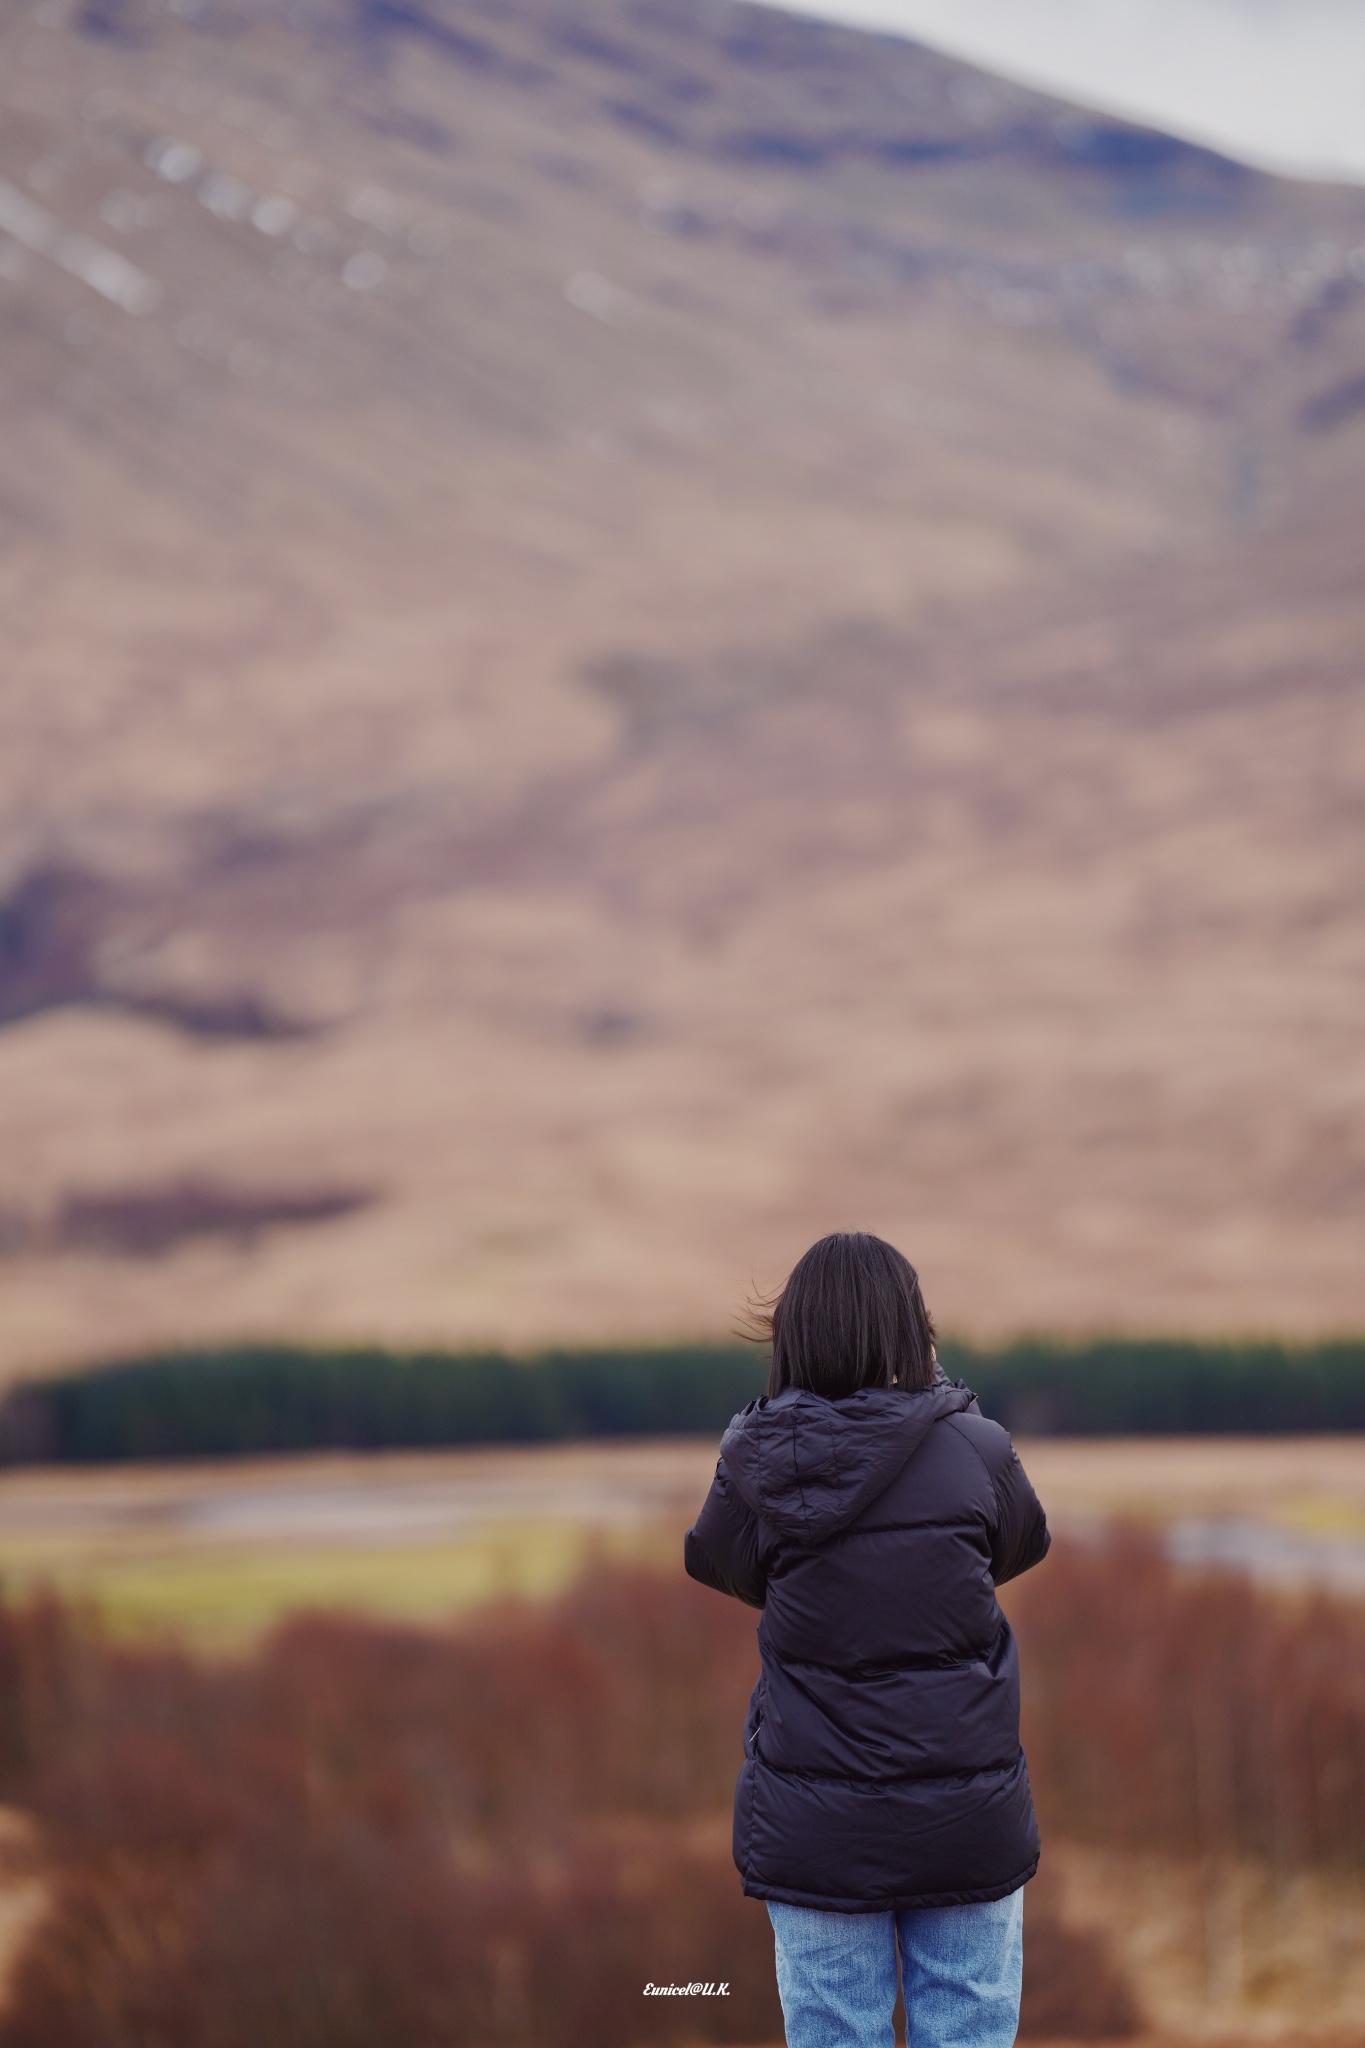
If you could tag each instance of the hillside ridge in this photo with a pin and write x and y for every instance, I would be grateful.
(636, 630)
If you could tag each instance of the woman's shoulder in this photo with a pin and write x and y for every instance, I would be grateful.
(990, 1440)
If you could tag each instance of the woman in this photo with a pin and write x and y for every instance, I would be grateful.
(871, 1510)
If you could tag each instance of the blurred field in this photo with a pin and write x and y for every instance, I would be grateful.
(1293, 1482)
(221, 1550)
(224, 1597)
(1223, 1944)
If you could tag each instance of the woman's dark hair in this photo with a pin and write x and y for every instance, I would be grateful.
(851, 1315)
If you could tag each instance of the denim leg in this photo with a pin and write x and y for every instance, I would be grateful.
(961, 1969)
(836, 1976)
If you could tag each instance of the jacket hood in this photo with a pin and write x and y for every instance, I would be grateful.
(809, 1466)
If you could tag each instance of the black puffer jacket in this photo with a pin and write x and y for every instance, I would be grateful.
(882, 1760)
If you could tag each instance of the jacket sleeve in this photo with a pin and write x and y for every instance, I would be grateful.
(722, 1548)
(1021, 1537)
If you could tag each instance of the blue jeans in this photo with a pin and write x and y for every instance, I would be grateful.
(960, 1970)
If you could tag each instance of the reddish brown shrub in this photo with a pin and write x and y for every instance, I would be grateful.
(1192, 1712)
(486, 1838)
(370, 1834)
(1072, 1989)
(343, 1937)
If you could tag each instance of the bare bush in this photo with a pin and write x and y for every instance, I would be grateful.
(493, 1836)
(1192, 1713)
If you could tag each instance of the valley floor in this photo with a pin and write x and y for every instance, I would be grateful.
(220, 1550)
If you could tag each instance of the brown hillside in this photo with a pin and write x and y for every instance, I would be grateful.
(637, 629)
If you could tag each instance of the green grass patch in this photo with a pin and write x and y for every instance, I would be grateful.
(221, 1597)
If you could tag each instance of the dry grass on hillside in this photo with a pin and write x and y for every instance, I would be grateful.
(793, 664)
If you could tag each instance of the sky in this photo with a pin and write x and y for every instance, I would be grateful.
(1280, 83)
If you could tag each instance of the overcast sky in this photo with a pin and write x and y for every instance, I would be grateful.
(1279, 82)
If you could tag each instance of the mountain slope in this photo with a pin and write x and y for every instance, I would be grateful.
(637, 630)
